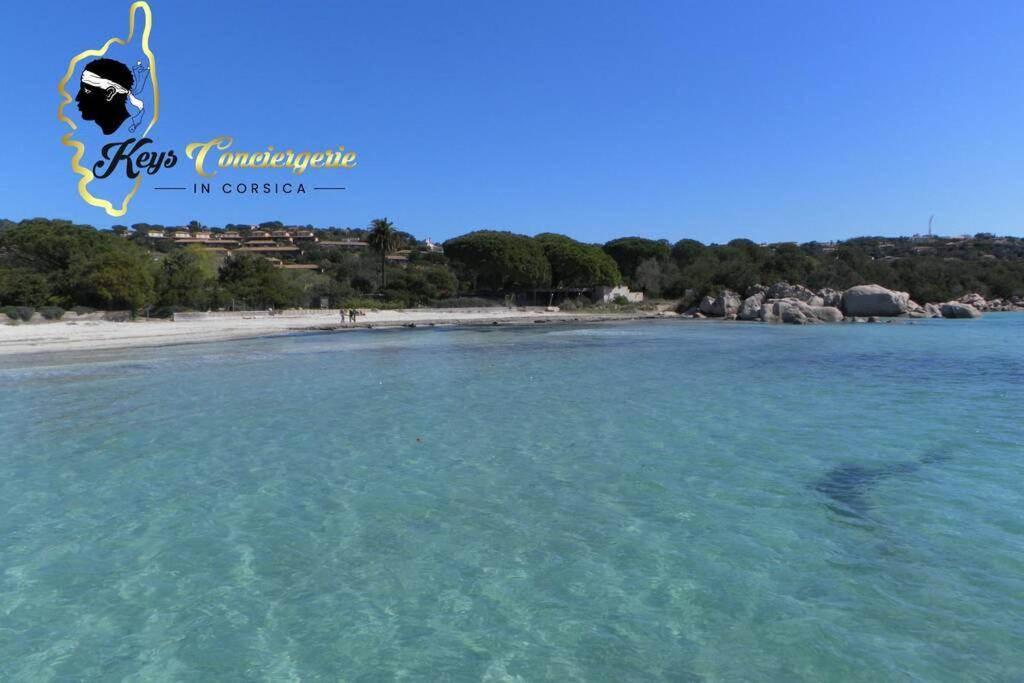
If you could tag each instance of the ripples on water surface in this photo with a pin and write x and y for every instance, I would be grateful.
(669, 501)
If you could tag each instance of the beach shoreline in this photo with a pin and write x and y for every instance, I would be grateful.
(96, 335)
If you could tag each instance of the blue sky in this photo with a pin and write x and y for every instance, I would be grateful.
(711, 120)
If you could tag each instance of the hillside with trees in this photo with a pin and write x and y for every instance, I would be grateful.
(157, 269)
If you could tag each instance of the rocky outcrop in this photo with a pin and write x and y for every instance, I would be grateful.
(956, 309)
(784, 290)
(916, 310)
(750, 309)
(725, 305)
(863, 303)
(797, 312)
(827, 314)
(831, 297)
(1006, 305)
(874, 300)
(753, 290)
(974, 300)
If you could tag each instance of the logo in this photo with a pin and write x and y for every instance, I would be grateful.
(112, 144)
(111, 99)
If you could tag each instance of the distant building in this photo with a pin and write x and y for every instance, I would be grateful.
(345, 244)
(604, 294)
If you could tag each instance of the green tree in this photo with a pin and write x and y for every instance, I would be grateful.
(186, 278)
(254, 281)
(23, 287)
(120, 279)
(499, 261)
(686, 251)
(574, 264)
(383, 239)
(628, 252)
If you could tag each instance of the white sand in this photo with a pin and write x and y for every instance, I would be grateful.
(93, 334)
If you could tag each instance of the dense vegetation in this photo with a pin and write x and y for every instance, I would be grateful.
(55, 264)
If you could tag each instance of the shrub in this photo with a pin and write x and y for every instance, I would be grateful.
(365, 302)
(18, 312)
(82, 310)
(52, 312)
(620, 300)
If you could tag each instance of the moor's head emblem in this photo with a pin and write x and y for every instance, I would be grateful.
(107, 90)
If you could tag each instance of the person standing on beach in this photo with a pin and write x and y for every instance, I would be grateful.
(352, 315)
(341, 311)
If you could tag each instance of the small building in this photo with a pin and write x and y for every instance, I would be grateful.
(267, 250)
(197, 240)
(345, 244)
(604, 294)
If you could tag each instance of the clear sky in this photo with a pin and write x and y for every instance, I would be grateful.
(772, 120)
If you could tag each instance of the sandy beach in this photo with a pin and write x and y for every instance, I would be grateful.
(85, 335)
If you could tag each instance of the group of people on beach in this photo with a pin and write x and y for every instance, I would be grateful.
(352, 313)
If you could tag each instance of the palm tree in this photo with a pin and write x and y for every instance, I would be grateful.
(382, 239)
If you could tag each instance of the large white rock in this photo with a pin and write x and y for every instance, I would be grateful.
(750, 309)
(827, 314)
(955, 309)
(726, 304)
(874, 300)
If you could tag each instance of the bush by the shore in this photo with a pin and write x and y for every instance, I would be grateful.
(372, 304)
(52, 312)
(15, 313)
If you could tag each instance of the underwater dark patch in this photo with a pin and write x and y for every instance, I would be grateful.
(847, 486)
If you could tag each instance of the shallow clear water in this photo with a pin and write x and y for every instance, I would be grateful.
(659, 501)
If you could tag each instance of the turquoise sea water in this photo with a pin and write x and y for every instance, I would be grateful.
(629, 502)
